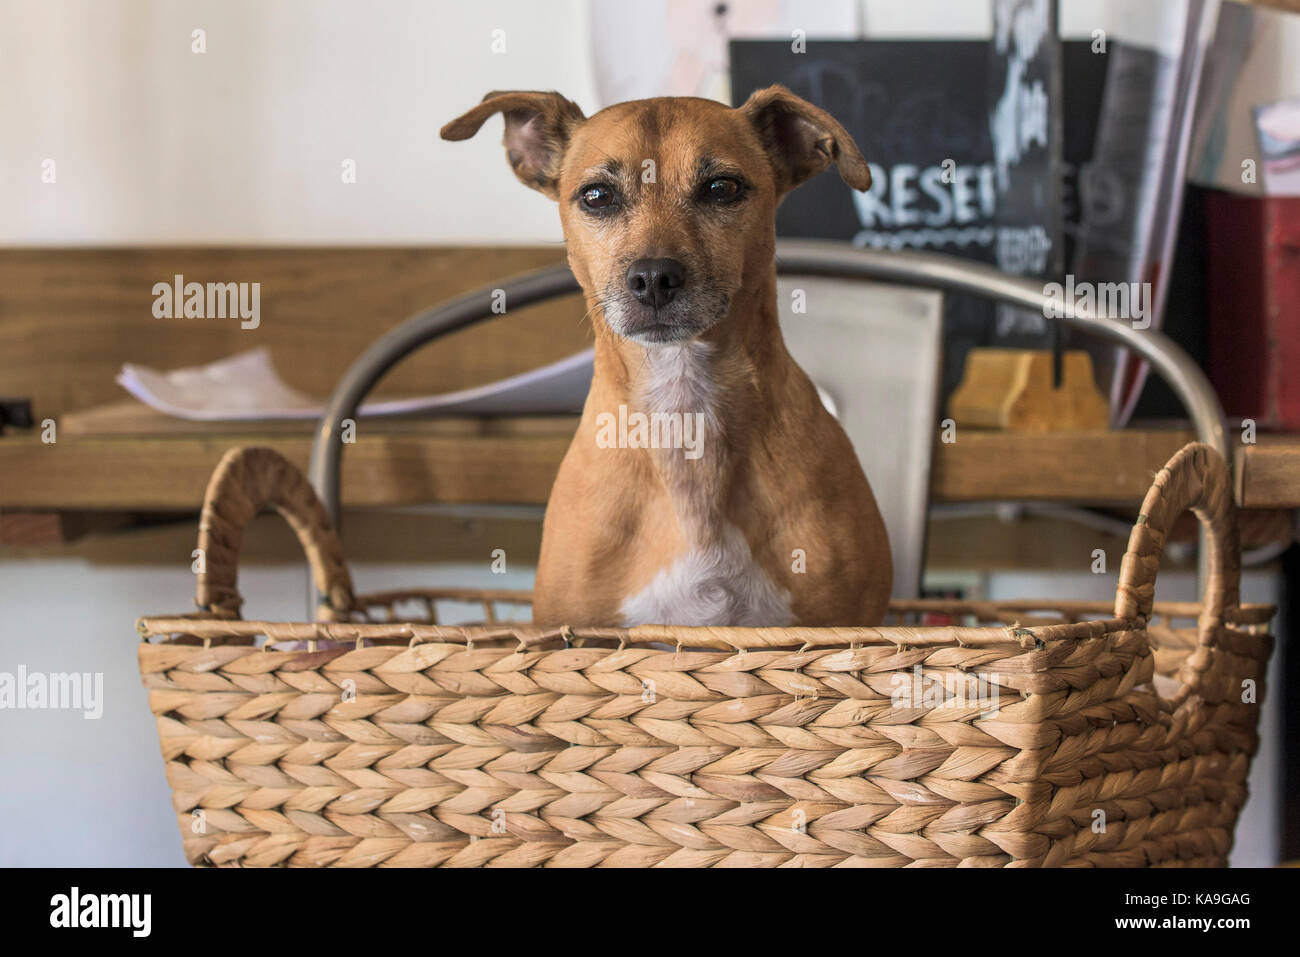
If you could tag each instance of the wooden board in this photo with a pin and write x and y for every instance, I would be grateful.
(69, 318)
(1268, 472)
(1095, 467)
(134, 419)
(514, 461)
(166, 474)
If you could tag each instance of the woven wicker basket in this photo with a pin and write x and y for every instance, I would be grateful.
(1030, 733)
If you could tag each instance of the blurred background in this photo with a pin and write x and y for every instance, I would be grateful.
(293, 145)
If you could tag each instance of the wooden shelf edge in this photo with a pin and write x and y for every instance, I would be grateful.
(517, 465)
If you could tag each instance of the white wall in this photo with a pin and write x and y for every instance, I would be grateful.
(244, 143)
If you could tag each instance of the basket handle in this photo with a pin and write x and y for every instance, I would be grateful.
(247, 481)
(1195, 479)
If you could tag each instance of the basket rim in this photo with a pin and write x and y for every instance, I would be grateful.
(213, 626)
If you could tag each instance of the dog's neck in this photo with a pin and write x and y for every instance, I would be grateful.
(722, 379)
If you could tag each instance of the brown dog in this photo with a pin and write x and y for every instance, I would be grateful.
(706, 484)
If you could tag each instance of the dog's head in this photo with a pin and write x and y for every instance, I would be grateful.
(667, 204)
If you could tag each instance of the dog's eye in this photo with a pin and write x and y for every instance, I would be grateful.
(723, 189)
(598, 197)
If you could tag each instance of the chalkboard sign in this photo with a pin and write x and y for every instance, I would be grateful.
(925, 135)
(920, 112)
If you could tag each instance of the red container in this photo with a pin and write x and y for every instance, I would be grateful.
(1253, 254)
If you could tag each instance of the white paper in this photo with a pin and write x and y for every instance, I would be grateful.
(245, 387)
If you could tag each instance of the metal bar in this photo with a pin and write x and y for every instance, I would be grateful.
(793, 257)
(822, 258)
(388, 350)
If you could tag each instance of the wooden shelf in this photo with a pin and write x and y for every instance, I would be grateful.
(1268, 473)
(458, 461)
(1102, 468)
(171, 474)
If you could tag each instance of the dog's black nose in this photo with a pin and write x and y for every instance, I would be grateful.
(655, 281)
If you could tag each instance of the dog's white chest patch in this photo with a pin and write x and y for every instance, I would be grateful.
(679, 379)
(717, 585)
(716, 582)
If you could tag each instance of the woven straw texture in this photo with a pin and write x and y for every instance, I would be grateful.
(1021, 734)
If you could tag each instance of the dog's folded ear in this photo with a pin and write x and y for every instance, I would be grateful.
(802, 140)
(538, 126)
